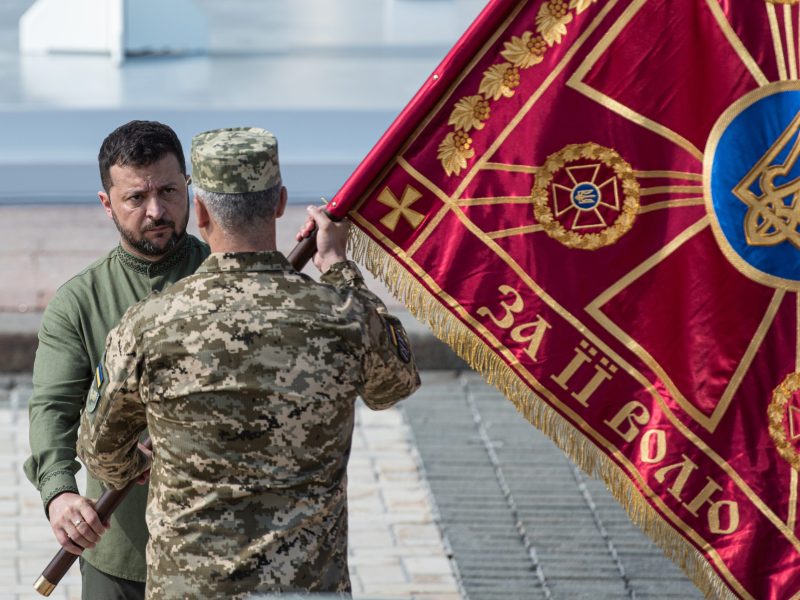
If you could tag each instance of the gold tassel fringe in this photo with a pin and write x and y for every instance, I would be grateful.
(427, 309)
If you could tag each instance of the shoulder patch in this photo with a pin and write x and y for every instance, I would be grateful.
(91, 401)
(97, 384)
(98, 374)
(399, 340)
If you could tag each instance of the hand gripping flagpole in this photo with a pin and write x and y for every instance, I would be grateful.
(62, 561)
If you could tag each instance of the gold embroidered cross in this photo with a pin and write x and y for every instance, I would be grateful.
(401, 208)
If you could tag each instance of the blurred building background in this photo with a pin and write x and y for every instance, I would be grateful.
(327, 76)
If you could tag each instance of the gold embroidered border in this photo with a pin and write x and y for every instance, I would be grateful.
(601, 48)
(791, 519)
(736, 43)
(777, 43)
(537, 94)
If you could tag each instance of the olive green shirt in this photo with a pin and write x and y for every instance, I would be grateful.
(71, 343)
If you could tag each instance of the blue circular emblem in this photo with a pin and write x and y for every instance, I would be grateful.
(751, 177)
(585, 196)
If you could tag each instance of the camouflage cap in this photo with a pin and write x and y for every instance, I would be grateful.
(235, 160)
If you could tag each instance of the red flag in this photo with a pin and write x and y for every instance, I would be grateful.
(595, 202)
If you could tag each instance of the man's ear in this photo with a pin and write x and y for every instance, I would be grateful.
(105, 200)
(282, 203)
(201, 212)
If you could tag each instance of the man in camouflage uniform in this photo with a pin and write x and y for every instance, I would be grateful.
(246, 374)
(145, 193)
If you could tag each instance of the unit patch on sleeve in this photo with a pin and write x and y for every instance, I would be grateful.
(399, 340)
(97, 384)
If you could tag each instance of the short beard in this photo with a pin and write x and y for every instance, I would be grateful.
(145, 246)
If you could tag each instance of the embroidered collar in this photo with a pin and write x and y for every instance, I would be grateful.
(162, 265)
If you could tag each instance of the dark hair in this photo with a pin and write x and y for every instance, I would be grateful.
(138, 143)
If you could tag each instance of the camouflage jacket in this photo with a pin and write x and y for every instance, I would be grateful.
(246, 374)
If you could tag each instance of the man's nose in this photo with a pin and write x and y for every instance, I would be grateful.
(154, 209)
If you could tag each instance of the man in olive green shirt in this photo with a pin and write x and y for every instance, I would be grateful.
(143, 172)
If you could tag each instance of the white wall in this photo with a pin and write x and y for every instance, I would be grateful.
(114, 27)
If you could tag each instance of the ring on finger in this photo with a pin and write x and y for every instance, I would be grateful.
(78, 522)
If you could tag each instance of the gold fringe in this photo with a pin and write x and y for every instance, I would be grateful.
(427, 309)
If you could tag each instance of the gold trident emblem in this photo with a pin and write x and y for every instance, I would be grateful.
(773, 216)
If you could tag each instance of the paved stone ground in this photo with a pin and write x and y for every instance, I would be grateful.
(453, 495)
(522, 521)
(396, 545)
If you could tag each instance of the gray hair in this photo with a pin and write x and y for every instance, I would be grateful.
(236, 212)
